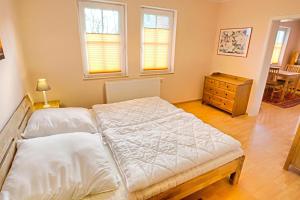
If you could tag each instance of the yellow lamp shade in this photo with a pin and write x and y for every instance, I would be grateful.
(42, 85)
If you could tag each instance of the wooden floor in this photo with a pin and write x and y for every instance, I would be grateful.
(266, 140)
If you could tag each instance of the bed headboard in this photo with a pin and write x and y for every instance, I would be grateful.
(10, 133)
(123, 90)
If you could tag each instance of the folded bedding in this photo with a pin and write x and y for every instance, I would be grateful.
(132, 112)
(159, 145)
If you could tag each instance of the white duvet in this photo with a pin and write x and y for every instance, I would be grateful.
(161, 144)
(132, 112)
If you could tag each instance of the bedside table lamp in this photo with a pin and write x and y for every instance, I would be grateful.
(42, 86)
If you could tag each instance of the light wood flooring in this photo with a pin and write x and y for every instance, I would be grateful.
(266, 140)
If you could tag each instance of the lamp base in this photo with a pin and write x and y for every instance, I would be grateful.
(46, 106)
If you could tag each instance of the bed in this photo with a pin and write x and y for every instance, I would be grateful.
(174, 186)
(161, 150)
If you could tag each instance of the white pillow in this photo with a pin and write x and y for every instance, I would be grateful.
(51, 121)
(65, 166)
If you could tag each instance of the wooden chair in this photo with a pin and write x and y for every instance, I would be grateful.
(293, 68)
(273, 83)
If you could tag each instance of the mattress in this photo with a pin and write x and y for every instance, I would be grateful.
(151, 140)
(132, 112)
(122, 194)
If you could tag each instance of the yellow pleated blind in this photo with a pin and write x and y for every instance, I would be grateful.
(156, 49)
(276, 53)
(103, 52)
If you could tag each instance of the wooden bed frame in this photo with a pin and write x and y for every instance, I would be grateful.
(18, 121)
(10, 133)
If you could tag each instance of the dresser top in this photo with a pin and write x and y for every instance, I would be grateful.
(236, 80)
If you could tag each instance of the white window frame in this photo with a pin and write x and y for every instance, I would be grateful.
(123, 33)
(287, 31)
(173, 16)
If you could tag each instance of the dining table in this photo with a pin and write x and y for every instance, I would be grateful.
(288, 77)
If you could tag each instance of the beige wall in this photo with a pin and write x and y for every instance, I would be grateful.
(52, 49)
(11, 68)
(294, 40)
(257, 14)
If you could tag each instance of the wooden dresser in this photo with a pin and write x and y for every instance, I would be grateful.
(227, 92)
(293, 158)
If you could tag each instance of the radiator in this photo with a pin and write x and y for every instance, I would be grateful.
(123, 90)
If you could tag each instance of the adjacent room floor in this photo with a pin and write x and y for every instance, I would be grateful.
(266, 140)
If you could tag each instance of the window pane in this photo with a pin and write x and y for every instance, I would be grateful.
(149, 21)
(110, 21)
(101, 21)
(280, 38)
(162, 22)
(93, 20)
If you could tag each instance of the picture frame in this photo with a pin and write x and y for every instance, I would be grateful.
(234, 41)
(1, 51)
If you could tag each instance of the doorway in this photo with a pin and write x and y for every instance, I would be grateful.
(281, 73)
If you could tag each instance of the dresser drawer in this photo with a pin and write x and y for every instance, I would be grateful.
(228, 86)
(207, 97)
(224, 93)
(222, 103)
(227, 105)
(211, 82)
(209, 89)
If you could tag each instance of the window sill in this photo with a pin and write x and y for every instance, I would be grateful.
(155, 73)
(95, 77)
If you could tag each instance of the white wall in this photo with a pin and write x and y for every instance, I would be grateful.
(11, 68)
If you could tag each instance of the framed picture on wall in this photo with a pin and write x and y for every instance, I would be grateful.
(234, 41)
(1, 51)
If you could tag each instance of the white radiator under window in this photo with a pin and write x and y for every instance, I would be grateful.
(123, 90)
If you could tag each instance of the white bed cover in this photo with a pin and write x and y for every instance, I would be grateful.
(122, 194)
(152, 140)
(132, 112)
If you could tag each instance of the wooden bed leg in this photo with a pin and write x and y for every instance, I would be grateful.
(234, 177)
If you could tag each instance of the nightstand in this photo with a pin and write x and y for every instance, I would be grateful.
(53, 104)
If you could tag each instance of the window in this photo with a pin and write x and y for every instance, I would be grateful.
(103, 38)
(280, 45)
(158, 33)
